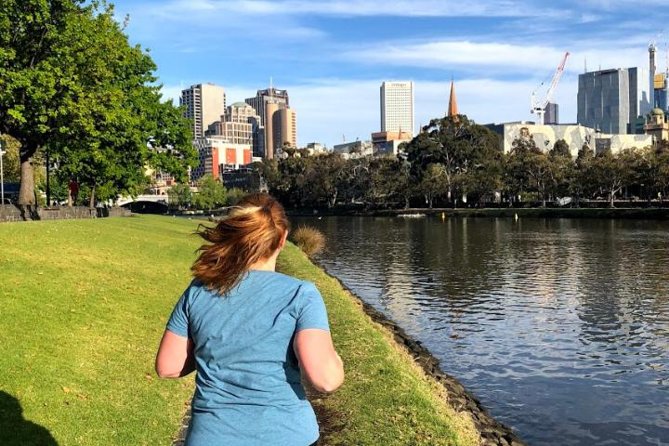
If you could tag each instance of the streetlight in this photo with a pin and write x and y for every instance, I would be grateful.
(2, 174)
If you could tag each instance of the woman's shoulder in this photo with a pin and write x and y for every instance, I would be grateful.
(282, 280)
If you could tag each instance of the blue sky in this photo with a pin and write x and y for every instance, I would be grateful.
(332, 55)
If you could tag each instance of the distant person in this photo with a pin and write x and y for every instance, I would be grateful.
(248, 331)
(73, 189)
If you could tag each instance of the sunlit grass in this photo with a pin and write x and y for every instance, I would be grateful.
(84, 303)
(83, 306)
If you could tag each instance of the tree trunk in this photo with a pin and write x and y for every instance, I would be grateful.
(27, 188)
(611, 195)
(91, 203)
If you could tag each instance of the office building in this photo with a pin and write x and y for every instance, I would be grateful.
(552, 114)
(277, 124)
(217, 154)
(271, 94)
(204, 105)
(388, 143)
(611, 100)
(397, 107)
(284, 127)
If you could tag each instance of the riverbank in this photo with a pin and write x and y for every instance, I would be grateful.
(390, 379)
(609, 213)
(84, 306)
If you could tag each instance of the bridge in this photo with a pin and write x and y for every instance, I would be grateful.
(164, 199)
(145, 204)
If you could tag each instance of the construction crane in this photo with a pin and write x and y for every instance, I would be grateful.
(538, 105)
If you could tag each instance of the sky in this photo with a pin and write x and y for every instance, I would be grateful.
(332, 55)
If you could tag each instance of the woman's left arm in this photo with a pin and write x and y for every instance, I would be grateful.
(175, 357)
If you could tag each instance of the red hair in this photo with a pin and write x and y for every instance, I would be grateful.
(252, 231)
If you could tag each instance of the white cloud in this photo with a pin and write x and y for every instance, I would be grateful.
(532, 61)
(365, 8)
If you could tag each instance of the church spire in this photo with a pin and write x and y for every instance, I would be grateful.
(452, 102)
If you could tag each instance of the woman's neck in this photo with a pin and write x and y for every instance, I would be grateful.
(268, 264)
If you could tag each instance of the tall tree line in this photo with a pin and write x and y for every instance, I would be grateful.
(454, 162)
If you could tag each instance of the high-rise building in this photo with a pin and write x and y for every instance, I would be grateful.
(205, 103)
(263, 96)
(552, 114)
(610, 100)
(236, 125)
(397, 108)
(285, 127)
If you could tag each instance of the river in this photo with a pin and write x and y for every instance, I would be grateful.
(560, 327)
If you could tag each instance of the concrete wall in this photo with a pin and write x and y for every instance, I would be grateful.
(575, 135)
(12, 213)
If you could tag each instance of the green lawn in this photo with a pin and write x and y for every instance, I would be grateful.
(83, 304)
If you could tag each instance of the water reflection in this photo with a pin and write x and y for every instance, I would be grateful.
(561, 327)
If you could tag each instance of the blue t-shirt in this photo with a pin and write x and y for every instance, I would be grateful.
(247, 388)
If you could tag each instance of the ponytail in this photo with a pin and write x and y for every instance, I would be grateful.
(252, 231)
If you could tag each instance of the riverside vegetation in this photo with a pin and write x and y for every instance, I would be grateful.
(84, 306)
(455, 162)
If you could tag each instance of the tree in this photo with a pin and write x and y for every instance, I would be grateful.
(560, 149)
(34, 76)
(69, 78)
(11, 162)
(180, 196)
(612, 173)
(210, 194)
(434, 182)
(456, 143)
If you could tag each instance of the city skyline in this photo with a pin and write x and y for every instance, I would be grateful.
(333, 55)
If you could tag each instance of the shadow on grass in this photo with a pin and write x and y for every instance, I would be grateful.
(16, 430)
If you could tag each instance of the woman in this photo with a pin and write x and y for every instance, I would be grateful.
(249, 331)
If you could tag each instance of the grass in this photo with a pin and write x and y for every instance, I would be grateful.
(84, 303)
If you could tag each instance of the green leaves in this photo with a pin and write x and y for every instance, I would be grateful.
(70, 79)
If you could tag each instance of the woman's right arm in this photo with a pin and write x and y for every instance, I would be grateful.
(320, 363)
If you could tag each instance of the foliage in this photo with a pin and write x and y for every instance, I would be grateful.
(180, 196)
(233, 196)
(70, 80)
(10, 160)
(210, 194)
(309, 239)
(453, 161)
(462, 147)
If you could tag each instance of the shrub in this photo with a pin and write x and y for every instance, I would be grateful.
(308, 239)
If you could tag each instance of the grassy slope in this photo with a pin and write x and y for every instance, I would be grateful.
(84, 304)
(83, 307)
(386, 399)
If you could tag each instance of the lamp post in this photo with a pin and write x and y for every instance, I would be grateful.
(2, 174)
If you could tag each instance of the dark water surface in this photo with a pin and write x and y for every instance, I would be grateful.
(560, 327)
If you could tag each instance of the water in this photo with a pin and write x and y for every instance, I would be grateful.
(560, 327)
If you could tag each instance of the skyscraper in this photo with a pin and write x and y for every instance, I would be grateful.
(552, 114)
(263, 96)
(397, 109)
(205, 103)
(610, 100)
